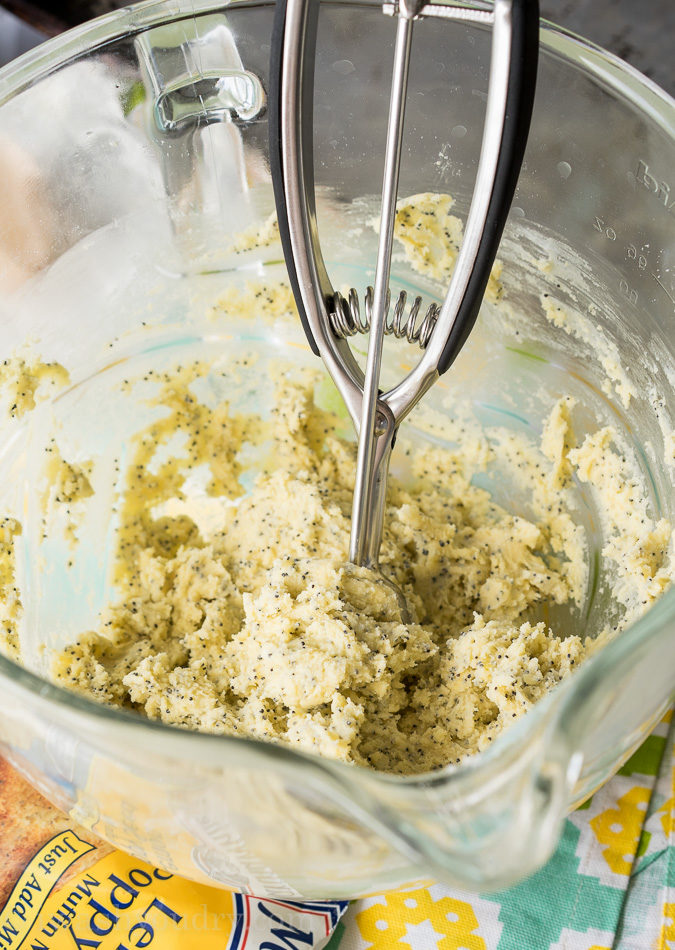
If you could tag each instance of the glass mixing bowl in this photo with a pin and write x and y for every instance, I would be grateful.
(134, 152)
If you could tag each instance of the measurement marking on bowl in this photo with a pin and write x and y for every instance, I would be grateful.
(608, 402)
(593, 582)
(668, 295)
(527, 354)
(505, 412)
(650, 476)
(637, 256)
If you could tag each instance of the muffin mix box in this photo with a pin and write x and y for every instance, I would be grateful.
(62, 888)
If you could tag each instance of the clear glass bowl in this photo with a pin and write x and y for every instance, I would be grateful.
(141, 147)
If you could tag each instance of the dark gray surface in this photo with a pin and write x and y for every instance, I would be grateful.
(15, 37)
(639, 31)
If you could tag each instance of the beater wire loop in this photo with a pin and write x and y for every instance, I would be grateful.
(347, 319)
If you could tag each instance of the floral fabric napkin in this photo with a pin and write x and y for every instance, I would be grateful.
(609, 886)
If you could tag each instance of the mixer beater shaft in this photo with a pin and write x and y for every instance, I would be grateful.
(328, 319)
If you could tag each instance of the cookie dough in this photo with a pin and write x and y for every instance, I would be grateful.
(430, 237)
(239, 615)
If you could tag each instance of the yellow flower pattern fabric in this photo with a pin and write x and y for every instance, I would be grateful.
(618, 829)
(667, 935)
(389, 924)
(609, 886)
(667, 813)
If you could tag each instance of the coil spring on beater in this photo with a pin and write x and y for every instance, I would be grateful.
(346, 319)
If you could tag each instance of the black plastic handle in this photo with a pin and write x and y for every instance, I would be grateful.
(519, 104)
(274, 128)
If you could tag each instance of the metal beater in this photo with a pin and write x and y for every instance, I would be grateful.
(328, 318)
